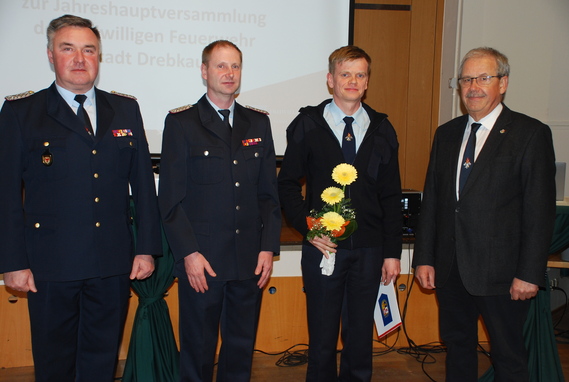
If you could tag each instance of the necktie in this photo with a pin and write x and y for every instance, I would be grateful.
(468, 158)
(349, 141)
(225, 113)
(82, 113)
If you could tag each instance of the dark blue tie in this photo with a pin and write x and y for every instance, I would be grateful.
(349, 141)
(468, 158)
(225, 113)
(82, 113)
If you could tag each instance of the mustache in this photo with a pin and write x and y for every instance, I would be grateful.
(473, 93)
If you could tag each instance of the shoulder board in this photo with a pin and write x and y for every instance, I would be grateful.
(257, 110)
(181, 108)
(123, 95)
(19, 96)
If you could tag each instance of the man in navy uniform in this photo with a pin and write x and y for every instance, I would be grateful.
(66, 237)
(219, 204)
(344, 130)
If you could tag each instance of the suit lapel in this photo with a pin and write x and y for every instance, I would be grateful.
(455, 142)
(211, 121)
(486, 156)
(241, 126)
(105, 115)
(59, 110)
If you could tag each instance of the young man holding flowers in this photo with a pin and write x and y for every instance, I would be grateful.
(371, 253)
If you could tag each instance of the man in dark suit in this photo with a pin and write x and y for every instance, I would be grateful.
(219, 204)
(483, 237)
(372, 253)
(71, 243)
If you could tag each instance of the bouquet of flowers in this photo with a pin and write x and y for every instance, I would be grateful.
(337, 219)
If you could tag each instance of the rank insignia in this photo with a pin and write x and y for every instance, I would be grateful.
(122, 133)
(123, 95)
(181, 108)
(251, 141)
(257, 110)
(19, 96)
(349, 137)
(47, 158)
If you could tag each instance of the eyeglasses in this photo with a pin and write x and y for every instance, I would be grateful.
(481, 80)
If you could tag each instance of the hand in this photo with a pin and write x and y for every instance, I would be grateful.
(522, 290)
(142, 267)
(426, 276)
(324, 245)
(390, 270)
(195, 265)
(21, 281)
(264, 267)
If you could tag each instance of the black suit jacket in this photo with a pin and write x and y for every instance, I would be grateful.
(218, 192)
(75, 222)
(502, 225)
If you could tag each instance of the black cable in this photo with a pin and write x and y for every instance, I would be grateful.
(564, 309)
(288, 358)
(421, 353)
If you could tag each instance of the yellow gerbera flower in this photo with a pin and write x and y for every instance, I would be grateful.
(332, 195)
(332, 221)
(344, 174)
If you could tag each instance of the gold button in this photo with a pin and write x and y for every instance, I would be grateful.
(95, 175)
(206, 153)
(237, 208)
(96, 200)
(37, 225)
(130, 143)
(237, 184)
(46, 144)
(235, 162)
(97, 224)
(94, 152)
(256, 155)
(237, 231)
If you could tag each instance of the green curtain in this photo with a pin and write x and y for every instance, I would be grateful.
(152, 354)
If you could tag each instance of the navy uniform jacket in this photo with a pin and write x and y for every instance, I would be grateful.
(312, 153)
(218, 193)
(75, 221)
(502, 225)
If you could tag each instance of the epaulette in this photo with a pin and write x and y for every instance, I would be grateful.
(181, 108)
(257, 110)
(19, 96)
(123, 95)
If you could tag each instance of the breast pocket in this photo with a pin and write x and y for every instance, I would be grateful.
(48, 159)
(206, 164)
(380, 155)
(128, 147)
(253, 157)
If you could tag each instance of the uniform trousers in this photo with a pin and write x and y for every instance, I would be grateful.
(229, 307)
(77, 327)
(348, 295)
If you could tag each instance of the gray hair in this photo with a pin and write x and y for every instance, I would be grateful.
(69, 21)
(501, 59)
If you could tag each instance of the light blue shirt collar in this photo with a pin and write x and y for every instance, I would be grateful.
(334, 116)
(217, 108)
(69, 97)
(360, 116)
